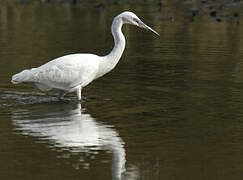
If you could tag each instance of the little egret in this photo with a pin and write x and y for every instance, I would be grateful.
(70, 73)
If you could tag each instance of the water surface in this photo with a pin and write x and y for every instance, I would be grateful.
(171, 109)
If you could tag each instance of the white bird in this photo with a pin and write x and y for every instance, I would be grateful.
(70, 73)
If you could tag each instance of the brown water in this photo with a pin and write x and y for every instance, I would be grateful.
(172, 108)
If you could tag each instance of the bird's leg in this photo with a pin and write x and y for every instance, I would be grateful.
(79, 93)
(61, 95)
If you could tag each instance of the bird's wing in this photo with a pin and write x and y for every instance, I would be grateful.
(66, 73)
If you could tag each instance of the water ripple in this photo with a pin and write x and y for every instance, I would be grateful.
(16, 98)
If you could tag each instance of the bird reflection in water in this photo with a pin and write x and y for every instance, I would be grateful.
(72, 130)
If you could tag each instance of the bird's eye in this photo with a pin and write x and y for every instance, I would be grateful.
(135, 20)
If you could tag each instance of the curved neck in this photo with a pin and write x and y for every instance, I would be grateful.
(119, 40)
(109, 61)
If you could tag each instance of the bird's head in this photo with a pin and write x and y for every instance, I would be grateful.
(131, 18)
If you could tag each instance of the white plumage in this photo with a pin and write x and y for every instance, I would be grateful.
(72, 72)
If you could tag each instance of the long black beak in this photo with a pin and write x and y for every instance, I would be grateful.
(143, 25)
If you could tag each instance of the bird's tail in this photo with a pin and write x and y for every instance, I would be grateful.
(23, 76)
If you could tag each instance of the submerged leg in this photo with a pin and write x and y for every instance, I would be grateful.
(61, 95)
(79, 93)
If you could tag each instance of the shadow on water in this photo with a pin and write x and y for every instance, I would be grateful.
(70, 129)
